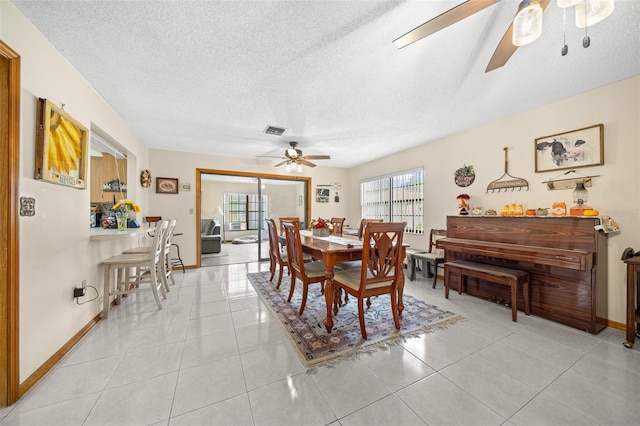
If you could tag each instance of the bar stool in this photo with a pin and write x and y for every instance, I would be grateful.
(175, 261)
(146, 265)
(166, 270)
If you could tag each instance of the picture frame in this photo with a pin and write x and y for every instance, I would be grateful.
(62, 147)
(570, 150)
(166, 185)
(322, 195)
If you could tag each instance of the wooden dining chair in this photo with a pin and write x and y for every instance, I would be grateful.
(363, 225)
(287, 219)
(338, 225)
(277, 258)
(434, 258)
(307, 272)
(356, 264)
(381, 268)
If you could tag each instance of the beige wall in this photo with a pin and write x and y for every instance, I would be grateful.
(615, 193)
(55, 251)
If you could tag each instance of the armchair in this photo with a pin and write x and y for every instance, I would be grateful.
(210, 236)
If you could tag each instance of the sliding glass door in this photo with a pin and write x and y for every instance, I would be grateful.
(240, 204)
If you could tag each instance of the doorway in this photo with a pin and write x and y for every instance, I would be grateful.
(9, 258)
(239, 202)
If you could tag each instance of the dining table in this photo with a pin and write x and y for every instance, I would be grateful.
(333, 250)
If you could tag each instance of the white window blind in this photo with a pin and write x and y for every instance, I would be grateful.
(395, 198)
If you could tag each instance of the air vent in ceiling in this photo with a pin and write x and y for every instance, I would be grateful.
(271, 130)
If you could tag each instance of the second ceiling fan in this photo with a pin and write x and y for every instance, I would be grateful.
(506, 48)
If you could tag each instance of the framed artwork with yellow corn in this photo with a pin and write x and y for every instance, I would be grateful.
(62, 147)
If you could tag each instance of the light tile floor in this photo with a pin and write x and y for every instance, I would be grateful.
(216, 356)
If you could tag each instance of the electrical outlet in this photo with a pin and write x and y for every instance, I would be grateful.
(78, 291)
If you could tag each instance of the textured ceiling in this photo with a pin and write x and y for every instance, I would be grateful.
(209, 76)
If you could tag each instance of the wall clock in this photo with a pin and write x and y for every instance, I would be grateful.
(145, 178)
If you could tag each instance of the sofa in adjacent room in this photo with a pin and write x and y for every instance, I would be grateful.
(210, 236)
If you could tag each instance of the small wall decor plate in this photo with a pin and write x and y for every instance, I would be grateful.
(145, 178)
(464, 176)
(166, 186)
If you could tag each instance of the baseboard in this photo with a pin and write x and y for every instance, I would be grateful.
(612, 324)
(55, 358)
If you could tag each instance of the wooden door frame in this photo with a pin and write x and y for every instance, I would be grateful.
(9, 258)
(200, 172)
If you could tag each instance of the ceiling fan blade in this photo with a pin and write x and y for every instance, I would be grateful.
(506, 48)
(281, 163)
(306, 163)
(450, 17)
(317, 157)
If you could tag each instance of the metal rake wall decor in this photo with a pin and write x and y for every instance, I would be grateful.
(507, 181)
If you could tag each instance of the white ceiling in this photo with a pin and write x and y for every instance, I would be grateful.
(209, 76)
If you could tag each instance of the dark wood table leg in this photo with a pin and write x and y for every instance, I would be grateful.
(329, 297)
(400, 289)
(631, 306)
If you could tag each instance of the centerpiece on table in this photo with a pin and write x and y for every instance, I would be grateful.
(321, 227)
(122, 209)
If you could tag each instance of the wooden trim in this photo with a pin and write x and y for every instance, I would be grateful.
(9, 262)
(56, 357)
(612, 324)
(200, 172)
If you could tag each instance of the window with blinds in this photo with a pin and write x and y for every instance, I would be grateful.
(243, 211)
(395, 198)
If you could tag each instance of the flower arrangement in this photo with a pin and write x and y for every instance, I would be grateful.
(126, 206)
(321, 227)
(320, 223)
(122, 209)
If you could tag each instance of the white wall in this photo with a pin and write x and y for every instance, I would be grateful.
(55, 251)
(183, 165)
(615, 193)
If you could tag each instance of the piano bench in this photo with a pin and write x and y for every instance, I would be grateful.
(494, 274)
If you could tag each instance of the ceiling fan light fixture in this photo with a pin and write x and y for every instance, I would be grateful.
(527, 25)
(590, 12)
(291, 153)
(299, 168)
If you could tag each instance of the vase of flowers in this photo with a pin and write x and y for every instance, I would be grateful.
(122, 209)
(321, 227)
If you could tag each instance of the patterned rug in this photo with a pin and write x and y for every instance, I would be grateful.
(309, 335)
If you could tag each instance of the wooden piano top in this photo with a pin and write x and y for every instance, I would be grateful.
(566, 242)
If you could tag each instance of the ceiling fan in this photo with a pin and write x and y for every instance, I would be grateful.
(505, 48)
(293, 157)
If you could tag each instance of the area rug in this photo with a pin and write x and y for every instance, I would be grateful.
(309, 335)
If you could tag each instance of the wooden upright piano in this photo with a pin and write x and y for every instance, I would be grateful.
(566, 257)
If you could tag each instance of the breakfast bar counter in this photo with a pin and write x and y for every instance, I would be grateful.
(110, 234)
